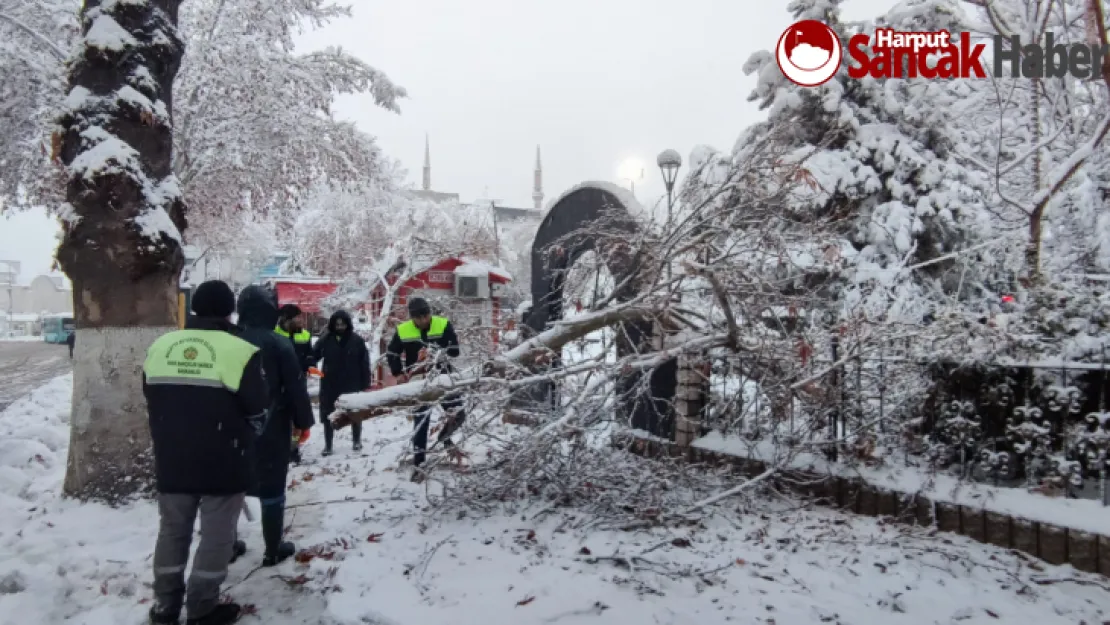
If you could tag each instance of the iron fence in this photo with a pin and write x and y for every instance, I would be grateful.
(1042, 425)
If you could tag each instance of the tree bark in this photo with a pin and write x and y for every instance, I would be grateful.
(121, 243)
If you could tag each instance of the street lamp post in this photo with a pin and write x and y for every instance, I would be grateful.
(669, 162)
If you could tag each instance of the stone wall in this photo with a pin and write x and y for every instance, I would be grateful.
(1052, 543)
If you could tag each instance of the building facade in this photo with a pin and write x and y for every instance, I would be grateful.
(49, 294)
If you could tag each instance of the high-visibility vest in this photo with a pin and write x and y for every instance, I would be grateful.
(209, 358)
(410, 333)
(304, 336)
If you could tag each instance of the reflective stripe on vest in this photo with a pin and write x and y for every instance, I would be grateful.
(198, 358)
(301, 337)
(409, 332)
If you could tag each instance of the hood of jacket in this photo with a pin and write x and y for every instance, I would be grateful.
(340, 314)
(257, 308)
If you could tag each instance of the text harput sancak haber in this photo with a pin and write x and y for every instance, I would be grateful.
(899, 54)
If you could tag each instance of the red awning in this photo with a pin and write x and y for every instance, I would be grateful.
(307, 296)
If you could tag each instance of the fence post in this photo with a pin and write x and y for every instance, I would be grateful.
(690, 395)
(834, 413)
(882, 388)
(1103, 457)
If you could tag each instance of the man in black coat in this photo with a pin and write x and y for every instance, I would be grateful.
(408, 355)
(290, 413)
(346, 369)
(207, 398)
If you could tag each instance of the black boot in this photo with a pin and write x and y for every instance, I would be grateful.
(273, 526)
(224, 614)
(283, 552)
(163, 618)
(356, 434)
(329, 434)
(237, 550)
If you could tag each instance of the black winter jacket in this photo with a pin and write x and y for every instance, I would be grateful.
(410, 351)
(304, 354)
(290, 406)
(203, 435)
(346, 361)
(303, 349)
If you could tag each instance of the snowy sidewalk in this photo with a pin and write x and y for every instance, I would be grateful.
(382, 558)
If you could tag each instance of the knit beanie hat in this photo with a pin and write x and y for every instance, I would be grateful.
(418, 307)
(213, 299)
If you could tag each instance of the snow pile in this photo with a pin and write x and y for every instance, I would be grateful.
(376, 552)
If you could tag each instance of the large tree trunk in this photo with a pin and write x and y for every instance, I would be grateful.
(122, 233)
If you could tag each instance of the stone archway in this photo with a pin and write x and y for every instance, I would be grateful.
(597, 216)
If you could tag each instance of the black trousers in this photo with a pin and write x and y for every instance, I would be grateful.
(454, 416)
(327, 406)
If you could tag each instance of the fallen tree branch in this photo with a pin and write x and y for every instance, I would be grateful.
(357, 407)
(736, 490)
(328, 503)
(708, 501)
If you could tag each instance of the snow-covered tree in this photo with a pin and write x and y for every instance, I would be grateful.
(253, 127)
(1044, 137)
(122, 244)
(35, 40)
(890, 207)
(373, 239)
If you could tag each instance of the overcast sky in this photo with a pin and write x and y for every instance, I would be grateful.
(595, 83)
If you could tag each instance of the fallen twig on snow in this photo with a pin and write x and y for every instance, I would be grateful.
(325, 503)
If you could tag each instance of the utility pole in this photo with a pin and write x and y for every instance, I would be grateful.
(10, 271)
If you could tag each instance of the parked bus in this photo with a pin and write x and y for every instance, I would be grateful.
(57, 328)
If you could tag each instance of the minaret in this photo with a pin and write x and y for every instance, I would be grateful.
(537, 183)
(427, 165)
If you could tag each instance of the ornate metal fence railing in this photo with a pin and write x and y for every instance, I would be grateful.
(1038, 425)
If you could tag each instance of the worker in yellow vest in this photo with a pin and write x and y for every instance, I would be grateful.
(291, 325)
(425, 344)
(207, 398)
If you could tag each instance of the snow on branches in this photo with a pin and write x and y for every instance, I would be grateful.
(35, 41)
(110, 132)
(253, 123)
(255, 130)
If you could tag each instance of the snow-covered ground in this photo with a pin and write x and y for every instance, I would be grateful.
(25, 365)
(384, 557)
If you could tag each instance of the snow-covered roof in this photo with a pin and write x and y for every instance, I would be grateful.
(299, 280)
(20, 317)
(623, 195)
(478, 269)
(64, 315)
